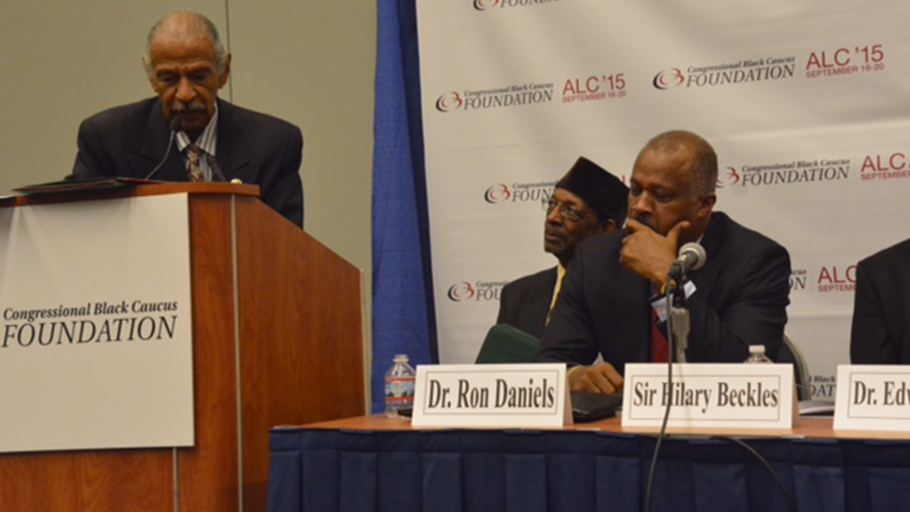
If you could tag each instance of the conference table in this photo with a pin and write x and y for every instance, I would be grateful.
(374, 463)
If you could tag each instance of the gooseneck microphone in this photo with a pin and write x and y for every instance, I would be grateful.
(216, 169)
(692, 256)
(174, 128)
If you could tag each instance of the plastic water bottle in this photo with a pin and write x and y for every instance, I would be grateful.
(399, 386)
(757, 355)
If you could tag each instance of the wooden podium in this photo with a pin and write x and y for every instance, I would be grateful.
(277, 340)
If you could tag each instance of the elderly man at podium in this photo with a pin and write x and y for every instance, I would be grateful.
(186, 65)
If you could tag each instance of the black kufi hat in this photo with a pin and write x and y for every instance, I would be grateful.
(598, 188)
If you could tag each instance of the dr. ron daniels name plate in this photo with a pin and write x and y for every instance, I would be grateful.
(873, 397)
(492, 395)
(710, 395)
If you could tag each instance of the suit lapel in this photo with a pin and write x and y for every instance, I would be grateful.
(639, 307)
(628, 325)
(543, 296)
(231, 156)
(704, 279)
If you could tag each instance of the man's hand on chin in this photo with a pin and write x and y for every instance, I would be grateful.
(600, 378)
(648, 253)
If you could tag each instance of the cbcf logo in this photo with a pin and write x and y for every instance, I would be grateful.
(449, 101)
(461, 291)
(728, 176)
(668, 78)
(497, 194)
(483, 5)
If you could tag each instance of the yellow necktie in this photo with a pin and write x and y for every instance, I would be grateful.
(560, 273)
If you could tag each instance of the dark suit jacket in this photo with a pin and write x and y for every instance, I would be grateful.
(881, 308)
(741, 298)
(130, 140)
(525, 302)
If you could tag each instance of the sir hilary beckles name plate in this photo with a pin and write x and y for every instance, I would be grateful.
(492, 395)
(873, 397)
(710, 395)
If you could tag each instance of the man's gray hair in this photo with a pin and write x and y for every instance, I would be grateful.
(200, 22)
(703, 166)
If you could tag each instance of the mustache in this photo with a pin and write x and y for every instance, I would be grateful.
(179, 107)
(548, 231)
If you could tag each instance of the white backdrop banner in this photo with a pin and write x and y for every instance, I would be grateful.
(805, 103)
(96, 346)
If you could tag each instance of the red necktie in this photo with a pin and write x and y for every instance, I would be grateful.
(660, 350)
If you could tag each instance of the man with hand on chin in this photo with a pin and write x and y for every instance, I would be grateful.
(610, 298)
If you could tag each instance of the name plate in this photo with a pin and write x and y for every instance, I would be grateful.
(873, 397)
(491, 395)
(710, 395)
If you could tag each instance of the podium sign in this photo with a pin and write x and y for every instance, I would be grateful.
(96, 325)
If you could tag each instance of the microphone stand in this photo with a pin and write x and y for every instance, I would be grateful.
(174, 127)
(679, 314)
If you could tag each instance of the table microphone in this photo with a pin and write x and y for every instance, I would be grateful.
(692, 256)
(174, 127)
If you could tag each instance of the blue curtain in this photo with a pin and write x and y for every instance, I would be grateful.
(403, 314)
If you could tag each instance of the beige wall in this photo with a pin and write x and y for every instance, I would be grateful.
(310, 62)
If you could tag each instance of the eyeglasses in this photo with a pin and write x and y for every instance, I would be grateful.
(569, 212)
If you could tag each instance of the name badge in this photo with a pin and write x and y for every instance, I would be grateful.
(710, 395)
(872, 397)
(488, 395)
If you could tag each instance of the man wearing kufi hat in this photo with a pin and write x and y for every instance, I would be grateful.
(587, 201)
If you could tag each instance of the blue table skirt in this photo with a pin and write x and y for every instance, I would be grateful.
(325, 470)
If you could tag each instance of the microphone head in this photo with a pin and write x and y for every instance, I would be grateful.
(175, 123)
(696, 252)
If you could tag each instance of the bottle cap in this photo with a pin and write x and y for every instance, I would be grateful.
(756, 349)
(401, 358)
